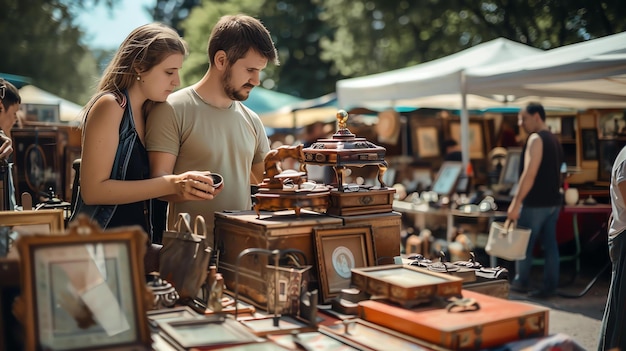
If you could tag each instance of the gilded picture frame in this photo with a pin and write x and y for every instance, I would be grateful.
(338, 251)
(84, 290)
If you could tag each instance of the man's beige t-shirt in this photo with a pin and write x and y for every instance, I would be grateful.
(203, 137)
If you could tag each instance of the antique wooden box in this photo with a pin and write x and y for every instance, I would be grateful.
(385, 230)
(496, 322)
(361, 202)
(235, 232)
(406, 285)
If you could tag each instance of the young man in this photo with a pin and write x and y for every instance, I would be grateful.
(9, 105)
(206, 127)
(538, 200)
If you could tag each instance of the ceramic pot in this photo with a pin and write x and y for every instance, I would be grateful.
(571, 196)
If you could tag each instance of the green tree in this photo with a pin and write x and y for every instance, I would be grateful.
(40, 40)
(295, 27)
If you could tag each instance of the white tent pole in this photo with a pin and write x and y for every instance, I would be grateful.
(464, 122)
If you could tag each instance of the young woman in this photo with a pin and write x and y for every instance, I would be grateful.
(115, 184)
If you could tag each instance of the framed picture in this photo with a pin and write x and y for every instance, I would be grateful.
(14, 224)
(427, 138)
(84, 290)
(38, 161)
(611, 124)
(607, 152)
(338, 251)
(446, 180)
(476, 137)
(510, 172)
(589, 144)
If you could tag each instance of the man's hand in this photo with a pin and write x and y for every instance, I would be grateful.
(6, 146)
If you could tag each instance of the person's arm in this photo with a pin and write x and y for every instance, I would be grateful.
(100, 141)
(532, 160)
(6, 145)
(256, 176)
(162, 165)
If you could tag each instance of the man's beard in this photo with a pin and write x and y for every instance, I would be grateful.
(231, 92)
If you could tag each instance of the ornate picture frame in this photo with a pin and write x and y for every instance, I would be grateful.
(16, 223)
(84, 290)
(339, 250)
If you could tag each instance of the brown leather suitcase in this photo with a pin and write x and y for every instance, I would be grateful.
(496, 322)
(235, 232)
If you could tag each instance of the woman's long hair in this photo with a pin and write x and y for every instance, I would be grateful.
(144, 48)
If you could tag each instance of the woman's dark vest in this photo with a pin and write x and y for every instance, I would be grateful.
(130, 152)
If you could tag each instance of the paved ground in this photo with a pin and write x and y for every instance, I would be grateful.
(580, 317)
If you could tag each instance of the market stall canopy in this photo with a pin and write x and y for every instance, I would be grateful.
(68, 111)
(303, 113)
(590, 74)
(18, 81)
(263, 100)
(437, 77)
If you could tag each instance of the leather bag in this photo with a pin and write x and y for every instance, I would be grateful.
(507, 241)
(184, 258)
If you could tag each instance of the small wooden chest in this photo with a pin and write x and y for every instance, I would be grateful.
(496, 322)
(361, 202)
(235, 232)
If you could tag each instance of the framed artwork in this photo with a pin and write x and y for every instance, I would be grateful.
(425, 136)
(476, 137)
(510, 172)
(446, 180)
(38, 161)
(427, 139)
(589, 144)
(607, 152)
(84, 290)
(611, 124)
(554, 124)
(17, 223)
(338, 251)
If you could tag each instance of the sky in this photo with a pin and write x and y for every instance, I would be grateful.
(106, 29)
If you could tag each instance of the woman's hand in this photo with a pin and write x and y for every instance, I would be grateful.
(197, 185)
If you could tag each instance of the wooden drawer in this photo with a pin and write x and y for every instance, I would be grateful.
(238, 231)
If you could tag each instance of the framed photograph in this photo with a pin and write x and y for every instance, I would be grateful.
(510, 172)
(338, 251)
(206, 332)
(611, 124)
(14, 224)
(427, 138)
(476, 137)
(589, 144)
(446, 180)
(607, 152)
(38, 161)
(84, 290)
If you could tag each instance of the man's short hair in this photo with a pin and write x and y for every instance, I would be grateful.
(535, 107)
(9, 95)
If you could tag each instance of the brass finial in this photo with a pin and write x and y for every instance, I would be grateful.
(342, 119)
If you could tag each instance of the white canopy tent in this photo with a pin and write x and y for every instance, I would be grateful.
(584, 75)
(68, 111)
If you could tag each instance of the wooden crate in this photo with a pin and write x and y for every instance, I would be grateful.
(235, 232)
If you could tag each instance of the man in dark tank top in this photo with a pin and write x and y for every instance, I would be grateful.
(537, 203)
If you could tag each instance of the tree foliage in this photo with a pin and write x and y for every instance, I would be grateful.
(321, 41)
(41, 41)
